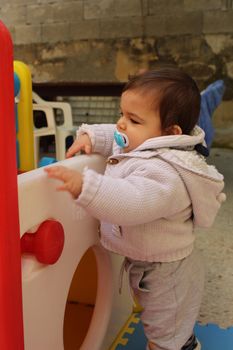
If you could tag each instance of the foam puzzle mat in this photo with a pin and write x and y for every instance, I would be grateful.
(210, 336)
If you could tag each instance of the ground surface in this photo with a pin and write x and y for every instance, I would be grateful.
(216, 245)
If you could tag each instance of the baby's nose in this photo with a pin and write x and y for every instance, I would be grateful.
(121, 124)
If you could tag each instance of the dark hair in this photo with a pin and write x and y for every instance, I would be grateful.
(177, 96)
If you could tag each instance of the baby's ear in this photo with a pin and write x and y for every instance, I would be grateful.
(176, 130)
(173, 130)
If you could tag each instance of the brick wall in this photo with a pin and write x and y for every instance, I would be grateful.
(61, 38)
(63, 21)
(105, 40)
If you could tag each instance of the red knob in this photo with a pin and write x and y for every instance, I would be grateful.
(46, 243)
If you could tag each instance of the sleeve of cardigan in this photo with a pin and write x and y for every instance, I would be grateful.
(136, 199)
(101, 135)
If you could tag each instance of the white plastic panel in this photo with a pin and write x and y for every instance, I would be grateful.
(45, 288)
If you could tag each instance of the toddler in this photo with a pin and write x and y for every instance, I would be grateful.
(157, 188)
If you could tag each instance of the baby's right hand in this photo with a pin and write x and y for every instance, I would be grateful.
(82, 143)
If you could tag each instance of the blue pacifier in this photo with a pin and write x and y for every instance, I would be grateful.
(121, 139)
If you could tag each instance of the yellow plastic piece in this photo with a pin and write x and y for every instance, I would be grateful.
(25, 117)
(120, 340)
(137, 308)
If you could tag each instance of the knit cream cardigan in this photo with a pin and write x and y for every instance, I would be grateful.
(150, 200)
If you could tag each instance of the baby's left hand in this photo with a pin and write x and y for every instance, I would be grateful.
(72, 180)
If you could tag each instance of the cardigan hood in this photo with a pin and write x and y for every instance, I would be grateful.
(204, 186)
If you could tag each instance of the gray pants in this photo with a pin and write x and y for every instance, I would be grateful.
(170, 295)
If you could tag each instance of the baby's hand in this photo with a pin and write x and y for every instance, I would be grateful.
(72, 180)
(82, 143)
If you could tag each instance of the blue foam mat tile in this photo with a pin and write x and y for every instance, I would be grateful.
(210, 336)
(213, 337)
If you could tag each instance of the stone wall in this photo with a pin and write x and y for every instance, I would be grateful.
(105, 40)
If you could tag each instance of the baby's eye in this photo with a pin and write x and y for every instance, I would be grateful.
(134, 121)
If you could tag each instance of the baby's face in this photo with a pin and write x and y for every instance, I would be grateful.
(138, 121)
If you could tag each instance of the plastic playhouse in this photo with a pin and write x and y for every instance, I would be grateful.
(59, 286)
